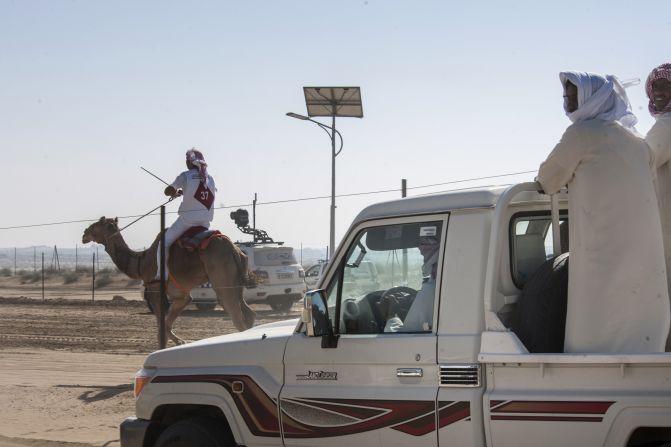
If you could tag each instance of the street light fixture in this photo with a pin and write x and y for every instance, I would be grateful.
(331, 101)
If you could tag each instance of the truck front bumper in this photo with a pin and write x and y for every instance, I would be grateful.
(132, 432)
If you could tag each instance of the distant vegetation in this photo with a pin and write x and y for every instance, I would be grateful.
(29, 277)
(103, 280)
(104, 276)
(70, 277)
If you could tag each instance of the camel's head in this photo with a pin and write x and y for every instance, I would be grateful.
(101, 230)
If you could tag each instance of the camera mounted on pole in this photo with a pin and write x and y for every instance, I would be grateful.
(241, 219)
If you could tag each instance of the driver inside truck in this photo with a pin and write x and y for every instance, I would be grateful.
(420, 314)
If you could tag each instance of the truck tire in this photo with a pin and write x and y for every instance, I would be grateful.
(197, 431)
(283, 305)
(540, 314)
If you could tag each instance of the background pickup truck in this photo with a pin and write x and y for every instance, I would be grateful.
(462, 378)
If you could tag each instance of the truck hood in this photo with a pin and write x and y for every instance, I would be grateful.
(260, 344)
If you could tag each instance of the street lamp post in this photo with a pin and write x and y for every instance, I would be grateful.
(331, 101)
(331, 131)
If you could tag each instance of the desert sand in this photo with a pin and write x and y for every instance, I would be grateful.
(67, 363)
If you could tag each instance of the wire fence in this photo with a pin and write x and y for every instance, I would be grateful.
(26, 269)
(299, 199)
(69, 280)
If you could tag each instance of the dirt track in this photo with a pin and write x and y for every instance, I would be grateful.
(106, 326)
(66, 366)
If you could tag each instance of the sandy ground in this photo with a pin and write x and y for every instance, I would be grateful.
(67, 364)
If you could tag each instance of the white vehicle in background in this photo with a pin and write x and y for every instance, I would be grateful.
(203, 297)
(314, 273)
(281, 279)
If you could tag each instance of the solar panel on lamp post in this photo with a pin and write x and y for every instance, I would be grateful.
(331, 101)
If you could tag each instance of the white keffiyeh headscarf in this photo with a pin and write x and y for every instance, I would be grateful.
(600, 98)
(198, 160)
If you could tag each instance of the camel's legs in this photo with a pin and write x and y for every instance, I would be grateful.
(231, 299)
(179, 300)
(227, 285)
(153, 296)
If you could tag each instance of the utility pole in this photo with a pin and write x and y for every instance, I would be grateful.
(404, 192)
(93, 275)
(254, 213)
(55, 262)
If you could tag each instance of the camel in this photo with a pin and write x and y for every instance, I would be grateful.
(221, 263)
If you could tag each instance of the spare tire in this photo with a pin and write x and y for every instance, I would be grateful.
(540, 314)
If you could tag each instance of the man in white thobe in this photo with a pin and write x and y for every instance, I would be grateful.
(617, 293)
(197, 189)
(420, 314)
(658, 89)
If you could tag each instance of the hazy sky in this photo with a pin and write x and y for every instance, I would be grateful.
(92, 90)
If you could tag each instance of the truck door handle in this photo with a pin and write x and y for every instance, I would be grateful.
(409, 372)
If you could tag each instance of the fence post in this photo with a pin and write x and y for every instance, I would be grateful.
(93, 283)
(42, 276)
(162, 341)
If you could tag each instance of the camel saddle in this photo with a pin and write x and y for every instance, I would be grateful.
(196, 238)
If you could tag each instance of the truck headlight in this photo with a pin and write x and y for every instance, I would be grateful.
(142, 378)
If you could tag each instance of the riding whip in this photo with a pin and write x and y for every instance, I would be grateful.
(154, 175)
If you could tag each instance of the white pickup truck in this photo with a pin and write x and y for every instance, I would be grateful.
(462, 377)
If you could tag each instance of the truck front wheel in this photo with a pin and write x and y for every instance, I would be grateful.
(198, 431)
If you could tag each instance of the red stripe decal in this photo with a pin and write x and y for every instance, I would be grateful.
(401, 411)
(359, 412)
(259, 411)
(419, 426)
(561, 407)
(548, 418)
(263, 421)
(453, 413)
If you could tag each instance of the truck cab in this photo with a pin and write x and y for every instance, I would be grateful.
(457, 374)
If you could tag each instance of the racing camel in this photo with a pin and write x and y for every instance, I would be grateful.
(220, 262)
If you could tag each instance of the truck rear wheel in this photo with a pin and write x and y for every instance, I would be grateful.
(198, 431)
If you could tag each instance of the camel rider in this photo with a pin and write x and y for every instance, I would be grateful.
(197, 189)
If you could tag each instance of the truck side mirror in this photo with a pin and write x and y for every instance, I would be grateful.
(316, 318)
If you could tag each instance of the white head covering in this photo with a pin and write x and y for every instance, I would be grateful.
(599, 97)
(196, 157)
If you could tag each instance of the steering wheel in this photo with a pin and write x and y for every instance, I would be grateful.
(398, 299)
(350, 309)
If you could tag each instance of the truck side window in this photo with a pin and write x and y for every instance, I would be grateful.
(388, 280)
(531, 244)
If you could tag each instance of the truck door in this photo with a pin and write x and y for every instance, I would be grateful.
(378, 385)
